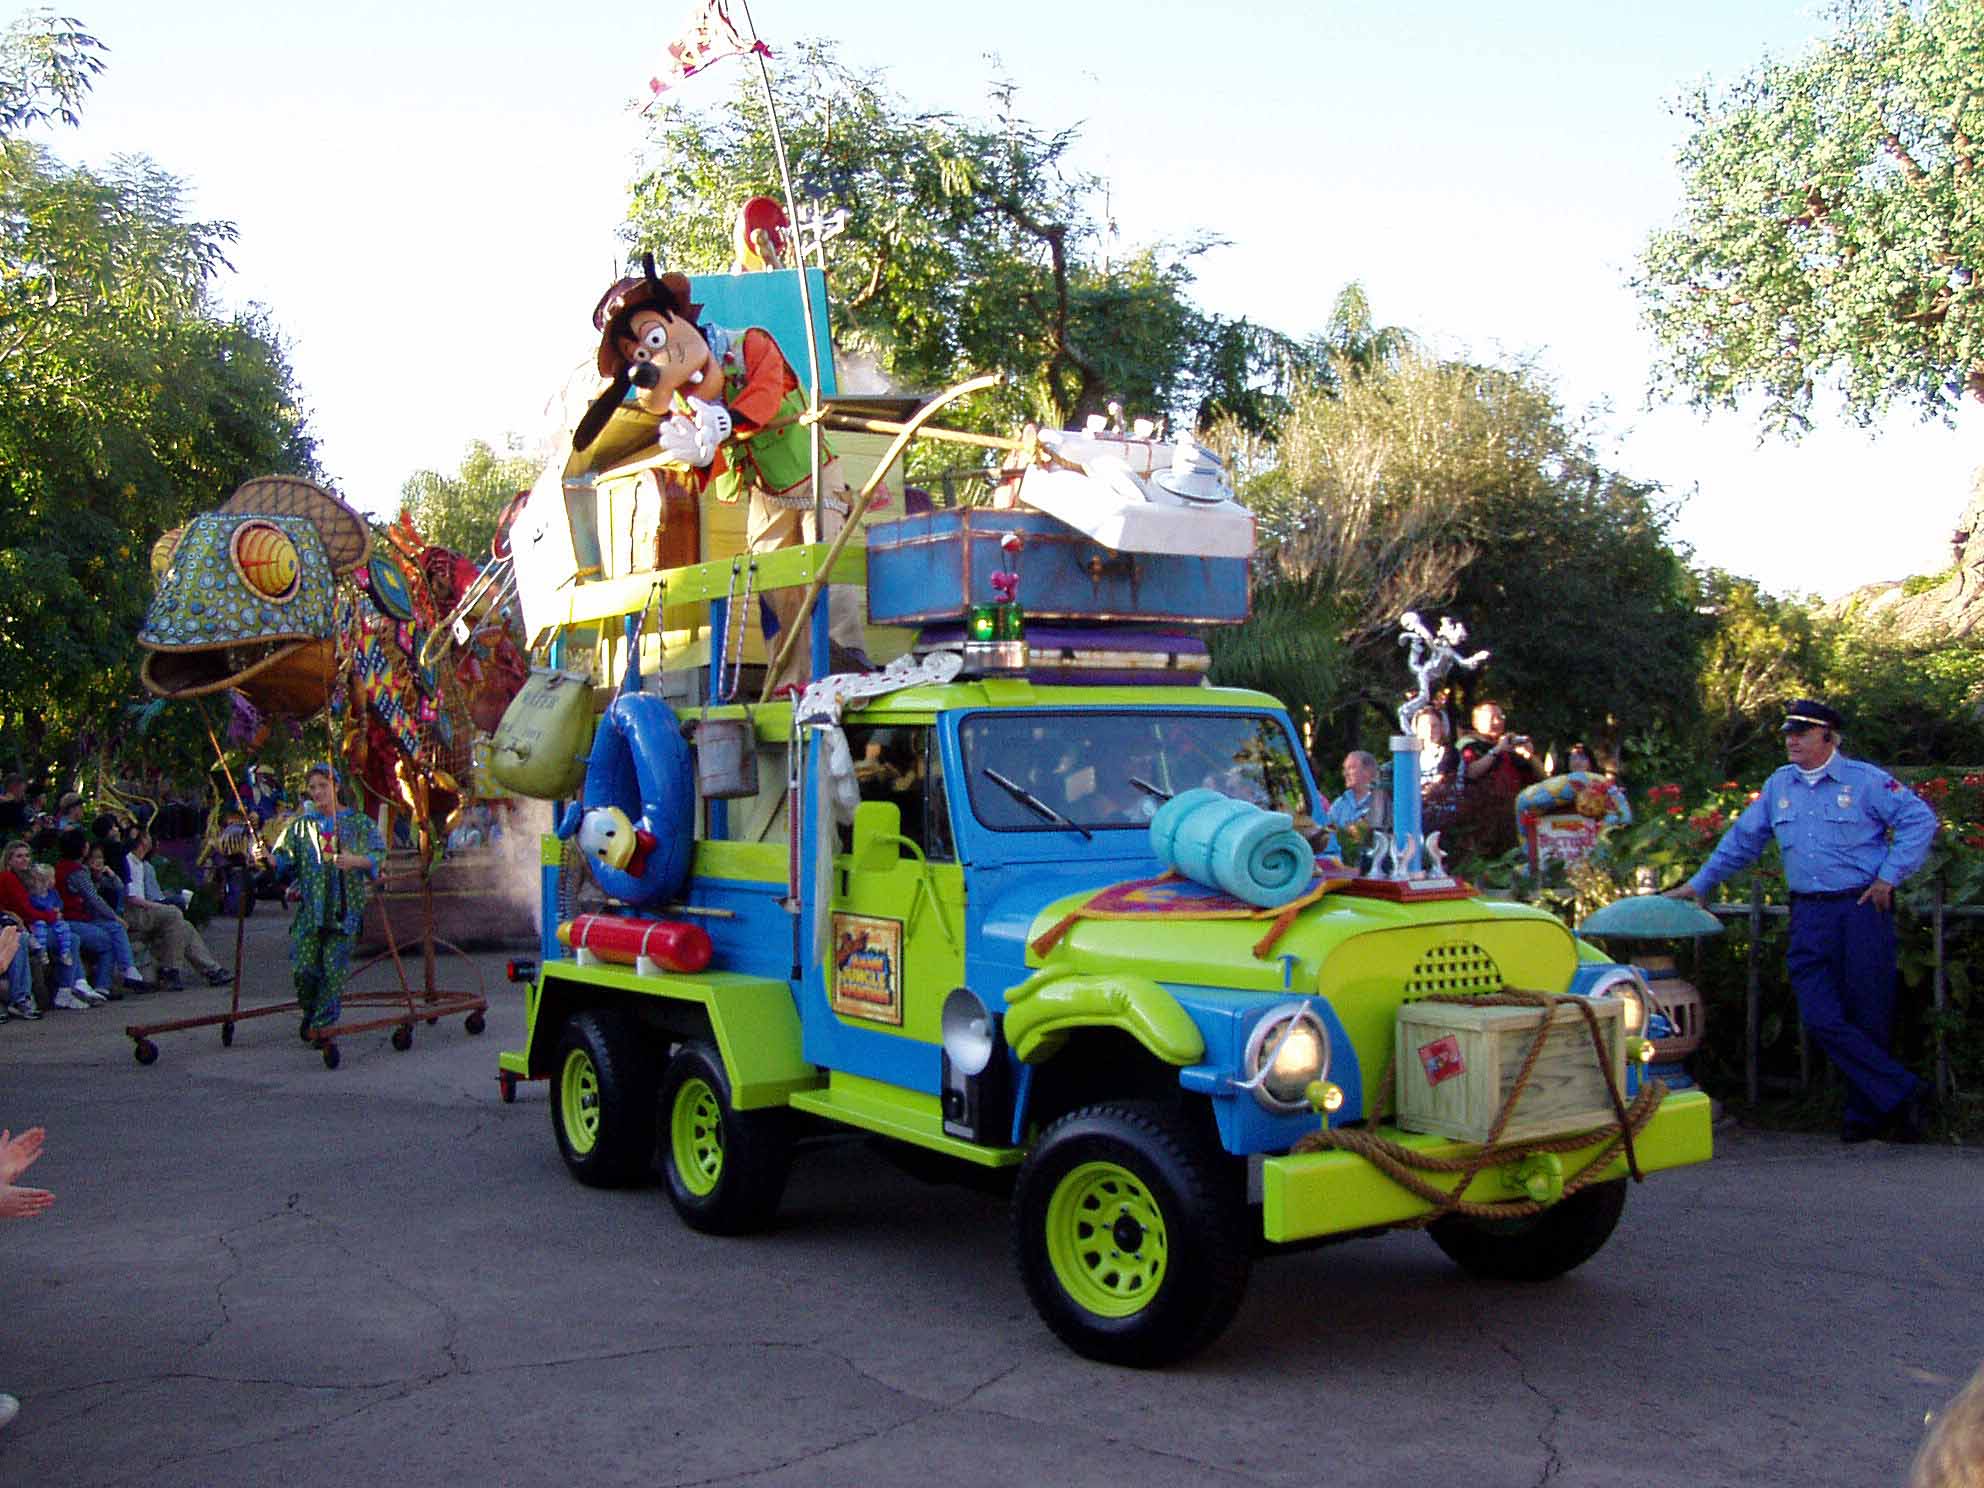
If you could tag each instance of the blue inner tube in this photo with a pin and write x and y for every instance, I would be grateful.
(640, 763)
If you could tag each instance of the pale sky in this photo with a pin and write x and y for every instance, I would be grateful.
(429, 196)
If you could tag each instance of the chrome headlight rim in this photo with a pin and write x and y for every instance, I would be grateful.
(1625, 984)
(1264, 1042)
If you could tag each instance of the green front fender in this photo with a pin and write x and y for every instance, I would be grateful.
(1042, 1010)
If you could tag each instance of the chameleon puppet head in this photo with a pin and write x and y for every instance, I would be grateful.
(245, 596)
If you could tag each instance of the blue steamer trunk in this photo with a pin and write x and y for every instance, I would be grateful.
(919, 566)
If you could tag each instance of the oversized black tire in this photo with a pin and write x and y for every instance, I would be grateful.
(1129, 1231)
(725, 1168)
(602, 1099)
(1539, 1247)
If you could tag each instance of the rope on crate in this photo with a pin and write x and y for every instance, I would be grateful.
(1403, 1165)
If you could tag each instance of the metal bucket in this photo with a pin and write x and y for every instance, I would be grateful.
(726, 759)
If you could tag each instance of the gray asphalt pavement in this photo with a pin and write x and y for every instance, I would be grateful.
(262, 1272)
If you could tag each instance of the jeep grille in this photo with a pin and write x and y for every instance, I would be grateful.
(1460, 966)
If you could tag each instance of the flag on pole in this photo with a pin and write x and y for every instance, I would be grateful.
(710, 37)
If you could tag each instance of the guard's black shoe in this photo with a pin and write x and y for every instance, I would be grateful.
(1909, 1122)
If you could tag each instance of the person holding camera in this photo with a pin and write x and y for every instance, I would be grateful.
(1493, 757)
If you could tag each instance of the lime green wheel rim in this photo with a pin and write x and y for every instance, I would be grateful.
(1106, 1240)
(578, 1102)
(695, 1135)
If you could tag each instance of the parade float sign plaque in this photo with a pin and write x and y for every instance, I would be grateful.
(867, 976)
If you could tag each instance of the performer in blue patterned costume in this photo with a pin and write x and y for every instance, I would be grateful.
(331, 854)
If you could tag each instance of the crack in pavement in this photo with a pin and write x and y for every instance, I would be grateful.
(1546, 1436)
(273, 1438)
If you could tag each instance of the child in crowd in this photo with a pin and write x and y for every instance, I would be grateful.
(54, 936)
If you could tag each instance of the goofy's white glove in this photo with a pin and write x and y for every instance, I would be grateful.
(693, 437)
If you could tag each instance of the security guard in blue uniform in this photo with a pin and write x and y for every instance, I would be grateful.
(1849, 832)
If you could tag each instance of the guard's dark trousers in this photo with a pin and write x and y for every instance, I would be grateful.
(1842, 966)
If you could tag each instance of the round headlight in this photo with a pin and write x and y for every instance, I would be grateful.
(1625, 984)
(1288, 1050)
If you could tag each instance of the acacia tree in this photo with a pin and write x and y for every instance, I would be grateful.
(1833, 224)
(969, 248)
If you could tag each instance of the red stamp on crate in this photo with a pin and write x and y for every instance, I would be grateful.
(1441, 1059)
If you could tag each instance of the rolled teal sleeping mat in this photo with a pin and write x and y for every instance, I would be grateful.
(1255, 855)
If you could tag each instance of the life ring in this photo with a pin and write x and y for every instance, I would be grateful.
(635, 816)
(1560, 794)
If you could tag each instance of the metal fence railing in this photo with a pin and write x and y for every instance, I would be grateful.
(1752, 916)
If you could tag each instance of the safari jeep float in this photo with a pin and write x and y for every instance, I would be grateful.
(1015, 905)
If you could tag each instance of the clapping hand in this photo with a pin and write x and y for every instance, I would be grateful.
(17, 1154)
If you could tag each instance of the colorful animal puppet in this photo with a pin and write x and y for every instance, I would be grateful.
(252, 600)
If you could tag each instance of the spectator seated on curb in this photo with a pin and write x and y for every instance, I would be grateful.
(157, 921)
(56, 935)
(18, 875)
(97, 926)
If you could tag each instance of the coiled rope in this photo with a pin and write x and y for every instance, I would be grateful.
(1403, 1165)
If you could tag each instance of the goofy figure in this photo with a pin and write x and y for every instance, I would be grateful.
(730, 407)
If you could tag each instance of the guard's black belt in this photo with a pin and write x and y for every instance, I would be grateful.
(1827, 894)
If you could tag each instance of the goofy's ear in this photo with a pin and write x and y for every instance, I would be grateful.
(597, 415)
(647, 268)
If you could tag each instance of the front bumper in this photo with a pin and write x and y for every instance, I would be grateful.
(1308, 1194)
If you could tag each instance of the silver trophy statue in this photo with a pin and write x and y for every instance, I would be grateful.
(1431, 658)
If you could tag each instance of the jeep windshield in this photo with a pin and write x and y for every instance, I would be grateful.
(1098, 771)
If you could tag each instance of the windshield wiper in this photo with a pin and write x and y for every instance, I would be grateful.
(1151, 790)
(1032, 802)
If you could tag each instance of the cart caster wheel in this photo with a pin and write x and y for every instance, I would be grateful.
(303, 1029)
(403, 1037)
(507, 1084)
(332, 1058)
(432, 1021)
(145, 1051)
(474, 1023)
(227, 1035)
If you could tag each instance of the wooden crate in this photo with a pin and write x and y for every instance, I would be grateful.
(1458, 1062)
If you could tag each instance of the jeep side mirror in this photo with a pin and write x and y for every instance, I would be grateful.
(877, 836)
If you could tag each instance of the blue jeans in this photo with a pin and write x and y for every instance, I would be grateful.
(1842, 965)
(20, 979)
(101, 938)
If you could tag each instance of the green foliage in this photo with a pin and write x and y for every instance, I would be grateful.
(1760, 653)
(1833, 226)
(47, 64)
(459, 511)
(1907, 703)
(127, 402)
(969, 248)
(1290, 647)
(1404, 482)
(1922, 583)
